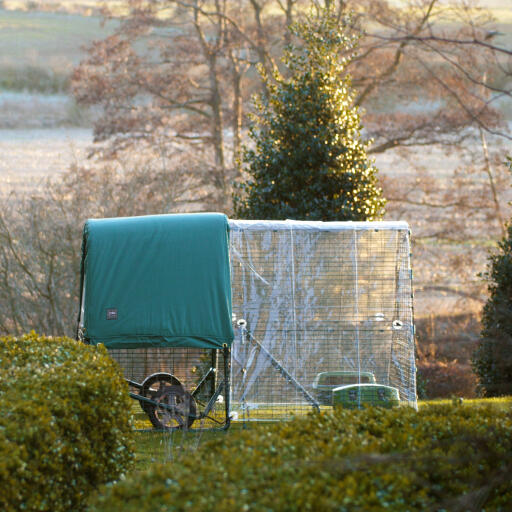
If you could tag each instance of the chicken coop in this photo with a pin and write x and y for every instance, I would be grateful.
(215, 320)
(319, 306)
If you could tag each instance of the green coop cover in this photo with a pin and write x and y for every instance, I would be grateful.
(156, 281)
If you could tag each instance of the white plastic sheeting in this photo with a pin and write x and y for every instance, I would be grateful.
(316, 297)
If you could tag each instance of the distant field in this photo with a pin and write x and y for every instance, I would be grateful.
(82, 6)
(31, 156)
(93, 4)
(46, 40)
(55, 40)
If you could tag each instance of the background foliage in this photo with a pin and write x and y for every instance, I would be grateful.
(40, 248)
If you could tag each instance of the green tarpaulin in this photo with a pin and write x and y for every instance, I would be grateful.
(156, 281)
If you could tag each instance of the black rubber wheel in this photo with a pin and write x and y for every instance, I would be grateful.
(152, 383)
(166, 389)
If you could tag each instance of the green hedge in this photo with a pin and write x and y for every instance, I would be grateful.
(444, 457)
(64, 423)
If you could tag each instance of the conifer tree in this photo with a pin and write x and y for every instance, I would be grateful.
(309, 161)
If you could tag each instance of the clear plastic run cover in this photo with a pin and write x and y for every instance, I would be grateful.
(319, 305)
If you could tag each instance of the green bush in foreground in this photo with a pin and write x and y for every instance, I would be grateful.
(443, 457)
(64, 423)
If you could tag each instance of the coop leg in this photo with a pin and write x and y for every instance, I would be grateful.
(214, 364)
(227, 388)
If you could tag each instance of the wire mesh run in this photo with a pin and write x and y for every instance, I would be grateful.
(325, 317)
(197, 386)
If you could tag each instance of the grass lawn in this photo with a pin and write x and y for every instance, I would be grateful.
(501, 402)
(169, 447)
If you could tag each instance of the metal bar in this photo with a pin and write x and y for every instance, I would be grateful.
(286, 374)
(134, 384)
(141, 398)
(212, 400)
(215, 364)
(203, 380)
(226, 384)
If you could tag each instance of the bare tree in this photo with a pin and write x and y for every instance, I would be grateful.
(175, 71)
(40, 233)
(184, 70)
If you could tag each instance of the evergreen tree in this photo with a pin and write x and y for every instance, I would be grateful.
(492, 360)
(309, 161)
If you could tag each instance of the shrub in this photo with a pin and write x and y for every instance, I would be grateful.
(64, 424)
(442, 379)
(374, 459)
(492, 360)
(41, 233)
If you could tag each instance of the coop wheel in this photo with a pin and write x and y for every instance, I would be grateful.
(152, 384)
(167, 389)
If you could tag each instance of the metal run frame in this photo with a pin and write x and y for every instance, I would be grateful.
(169, 405)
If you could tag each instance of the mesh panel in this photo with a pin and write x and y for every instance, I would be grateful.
(319, 297)
(190, 366)
(326, 306)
